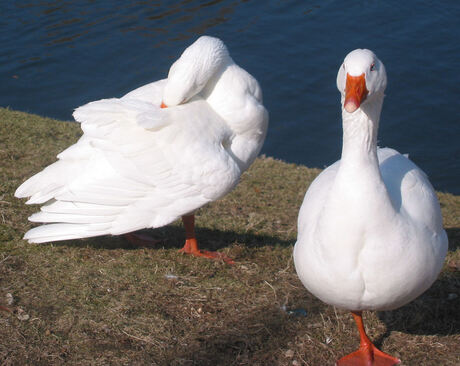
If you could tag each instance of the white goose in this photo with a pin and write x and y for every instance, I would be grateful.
(370, 233)
(141, 166)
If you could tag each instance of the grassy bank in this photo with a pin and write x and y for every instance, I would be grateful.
(100, 301)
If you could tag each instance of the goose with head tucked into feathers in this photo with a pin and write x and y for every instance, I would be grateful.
(370, 234)
(141, 166)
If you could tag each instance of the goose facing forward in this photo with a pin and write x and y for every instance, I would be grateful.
(141, 166)
(370, 233)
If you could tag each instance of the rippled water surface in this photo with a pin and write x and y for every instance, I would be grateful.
(57, 55)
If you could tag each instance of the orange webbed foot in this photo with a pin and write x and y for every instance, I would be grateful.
(191, 247)
(368, 357)
(367, 354)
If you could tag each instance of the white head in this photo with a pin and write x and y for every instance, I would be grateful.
(192, 71)
(361, 77)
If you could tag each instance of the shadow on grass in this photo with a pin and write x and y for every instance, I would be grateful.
(454, 238)
(434, 313)
(247, 337)
(174, 237)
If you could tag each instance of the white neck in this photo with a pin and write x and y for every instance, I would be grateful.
(236, 96)
(360, 134)
(359, 177)
(358, 194)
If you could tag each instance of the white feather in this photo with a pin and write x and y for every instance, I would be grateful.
(138, 165)
(370, 232)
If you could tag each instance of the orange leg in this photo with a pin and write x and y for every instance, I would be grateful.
(191, 244)
(367, 354)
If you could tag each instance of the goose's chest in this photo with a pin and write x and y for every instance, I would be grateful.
(352, 220)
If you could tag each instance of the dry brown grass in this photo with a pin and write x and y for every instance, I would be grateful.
(101, 302)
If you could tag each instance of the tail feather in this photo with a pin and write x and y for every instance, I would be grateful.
(80, 208)
(44, 196)
(43, 186)
(34, 185)
(89, 197)
(57, 232)
(68, 218)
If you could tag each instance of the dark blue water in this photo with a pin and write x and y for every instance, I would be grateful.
(57, 55)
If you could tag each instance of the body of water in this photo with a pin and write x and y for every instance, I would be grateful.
(58, 55)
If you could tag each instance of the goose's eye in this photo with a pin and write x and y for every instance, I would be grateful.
(373, 66)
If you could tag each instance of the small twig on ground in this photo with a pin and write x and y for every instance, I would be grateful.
(4, 259)
(4, 308)
(139, 339)
(274, 291)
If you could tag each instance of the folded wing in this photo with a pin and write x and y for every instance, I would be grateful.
(120, 177)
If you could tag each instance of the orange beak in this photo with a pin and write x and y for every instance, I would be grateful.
(355, 92)
(163, 105)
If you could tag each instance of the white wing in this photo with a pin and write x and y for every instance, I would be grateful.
(120, 177)
(409, 189)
